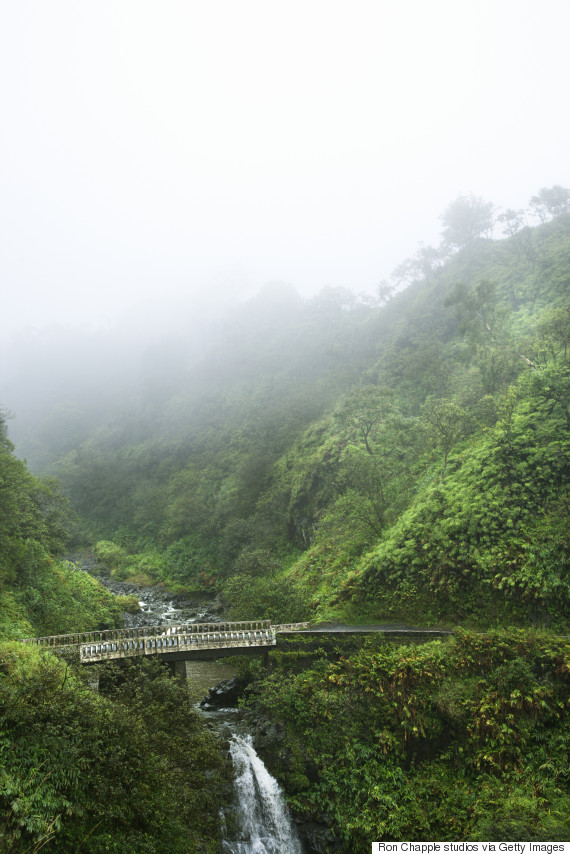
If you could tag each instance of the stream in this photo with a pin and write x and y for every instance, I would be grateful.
(257, 821)
(261, 822)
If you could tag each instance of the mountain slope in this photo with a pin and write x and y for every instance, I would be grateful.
(336, 458)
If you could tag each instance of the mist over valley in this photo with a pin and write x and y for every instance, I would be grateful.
(284, 381)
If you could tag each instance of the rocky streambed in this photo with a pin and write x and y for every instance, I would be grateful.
(157, 606)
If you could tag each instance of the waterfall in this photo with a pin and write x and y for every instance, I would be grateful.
(262, 822)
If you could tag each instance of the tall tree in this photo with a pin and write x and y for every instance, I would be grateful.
(363, 413)
(512, 221)
(551, 202)
(446, 425)
(465, 220)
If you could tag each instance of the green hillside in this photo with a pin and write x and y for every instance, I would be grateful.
(101, 772)
(334, 457)
(403, 459)
(458, 740)
(41, 594)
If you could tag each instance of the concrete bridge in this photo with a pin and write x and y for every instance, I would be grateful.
(171, 643)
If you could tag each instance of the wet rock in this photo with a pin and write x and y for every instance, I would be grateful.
(216, 607)
(318, 836)
(158, 606)
(224, 695)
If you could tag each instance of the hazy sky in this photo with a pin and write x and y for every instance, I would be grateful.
(153, 148)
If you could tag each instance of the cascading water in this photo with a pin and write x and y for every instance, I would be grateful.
(262, 822)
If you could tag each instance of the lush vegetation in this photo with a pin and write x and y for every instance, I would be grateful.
(454, 740)
(346, 457)
(404, 458)
(133, 772)
(40, 594)
(130, 770)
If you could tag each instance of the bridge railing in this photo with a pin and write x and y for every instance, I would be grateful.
(140, 633)
(237, 635)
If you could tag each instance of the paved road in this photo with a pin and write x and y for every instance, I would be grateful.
(377, 627)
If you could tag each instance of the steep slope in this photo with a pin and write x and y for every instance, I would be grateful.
(335, 458)
(452, 475)
(39, 593)
(130, 768)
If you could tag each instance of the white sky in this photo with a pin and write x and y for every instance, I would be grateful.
(156, 148)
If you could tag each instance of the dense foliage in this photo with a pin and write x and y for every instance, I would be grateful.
(404, 458)
(129, 773)
(338, 457)
(39, 593)
(454, 740)
(131, 770)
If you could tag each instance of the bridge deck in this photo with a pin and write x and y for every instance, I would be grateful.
(163, 640)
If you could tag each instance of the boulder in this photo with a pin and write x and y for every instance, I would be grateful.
(223, 695)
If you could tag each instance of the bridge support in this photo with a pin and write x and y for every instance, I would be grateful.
(178, 670)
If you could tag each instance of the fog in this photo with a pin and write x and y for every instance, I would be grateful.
(162, 162)
(197, 150)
